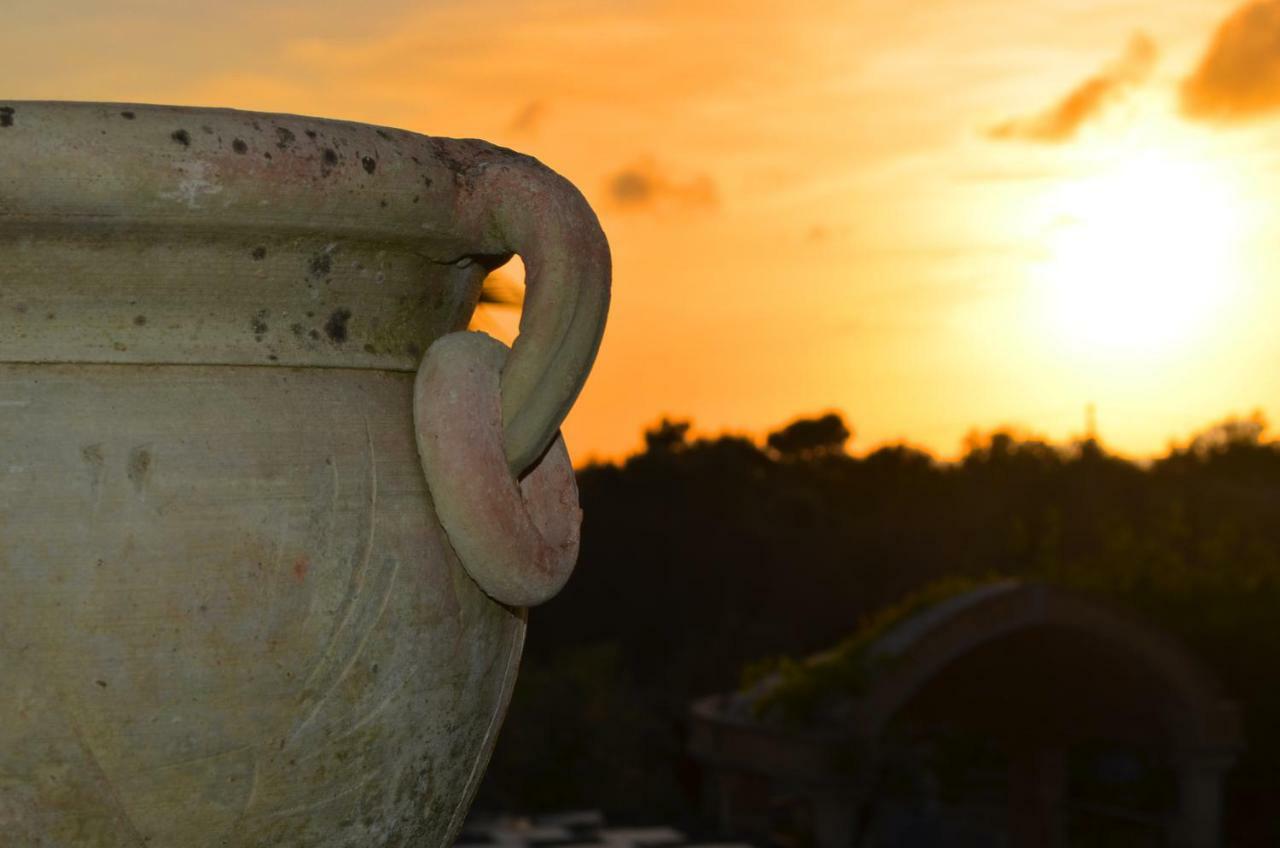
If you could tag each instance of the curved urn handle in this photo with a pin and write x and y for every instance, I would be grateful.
(487, 420)
(517, 205)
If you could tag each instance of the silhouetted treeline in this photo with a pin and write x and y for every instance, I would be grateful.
(700, 557)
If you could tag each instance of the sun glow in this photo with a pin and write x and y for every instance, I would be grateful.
(1141, 255)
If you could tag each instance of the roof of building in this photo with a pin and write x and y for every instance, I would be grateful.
(858, 686)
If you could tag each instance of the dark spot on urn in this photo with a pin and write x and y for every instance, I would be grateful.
(297, 330)
(94, 459)
(182, 137)
(6, 116)
(127, 115)
(370, 349)
(311, 134)
(315, 334)
(370, 164)
(384, 134)
(320, 265)
(328, 160)
(239, 146)
(259, 325)
(336, 327)
(140, 320)
(413, 350)
(284, 138)
(139, 467)
(101, 683)
(259, 253)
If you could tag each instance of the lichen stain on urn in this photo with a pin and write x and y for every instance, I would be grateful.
(139, 467)
(242, 623)
(336, 327)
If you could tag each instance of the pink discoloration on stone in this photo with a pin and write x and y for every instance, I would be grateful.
(517, 540)
(301, 566)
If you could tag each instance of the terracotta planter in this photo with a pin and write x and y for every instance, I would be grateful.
(232, 611)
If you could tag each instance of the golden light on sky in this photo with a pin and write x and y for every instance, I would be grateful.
(1141, 254)
(932, 216)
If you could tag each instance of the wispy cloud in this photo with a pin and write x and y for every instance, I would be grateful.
(1238, 77)
(644, 184)
(1086, 101)
(528, 118)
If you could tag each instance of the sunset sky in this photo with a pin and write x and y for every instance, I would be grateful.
(931, 216)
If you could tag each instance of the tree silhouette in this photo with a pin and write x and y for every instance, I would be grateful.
(810, 437)
(666, 436)
(701, 556)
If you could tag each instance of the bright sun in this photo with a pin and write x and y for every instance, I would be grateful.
(1139, 255)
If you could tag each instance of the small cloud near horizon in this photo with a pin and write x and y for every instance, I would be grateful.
(529, 118)
(1062, 121)
(1238, 77)
(644, 184)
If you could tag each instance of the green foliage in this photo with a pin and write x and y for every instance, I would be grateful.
(802, 687)
(760, 670)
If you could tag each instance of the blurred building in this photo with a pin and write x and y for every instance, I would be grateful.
(572, 829)
(1011, 714)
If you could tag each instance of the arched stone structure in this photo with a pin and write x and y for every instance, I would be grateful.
(1147, 688)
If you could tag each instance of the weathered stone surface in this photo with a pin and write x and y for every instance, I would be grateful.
(229, 616)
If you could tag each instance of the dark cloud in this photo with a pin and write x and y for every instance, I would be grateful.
(644, 185)
(1086, 101)
(529, 118)
(1239, 76)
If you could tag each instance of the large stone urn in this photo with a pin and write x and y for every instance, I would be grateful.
(268, 517)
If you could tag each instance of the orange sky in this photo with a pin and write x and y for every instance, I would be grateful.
(931, 216)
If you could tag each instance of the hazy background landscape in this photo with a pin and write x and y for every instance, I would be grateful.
(703, 558)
